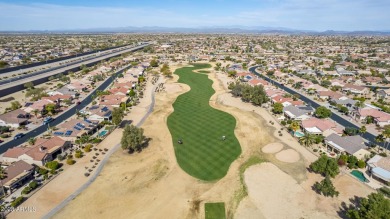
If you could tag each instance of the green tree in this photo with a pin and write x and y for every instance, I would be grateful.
(326, 187)
(362, 130)
(3, 174)
(294, 126)
(374, 206)
(31, 141)
(307, 140)
(232, 73)
(326, 83)
(3, 64)
(277, 108)
(51, 108)
(117, 116)
(15, 105)
(36, 93)
(323, 112)
(28, 85)
(258, 95)
(132, 138)
(154, 63)
(325, 166)
(132, 93)
(53, 165)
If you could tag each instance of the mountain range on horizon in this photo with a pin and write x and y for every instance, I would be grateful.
(233, 29)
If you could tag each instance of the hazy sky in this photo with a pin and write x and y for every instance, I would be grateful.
(297, 14)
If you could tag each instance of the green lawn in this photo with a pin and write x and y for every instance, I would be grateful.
(203, 154)
(215, 210)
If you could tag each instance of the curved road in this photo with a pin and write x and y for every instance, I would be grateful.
(342, 121)
(101, 165)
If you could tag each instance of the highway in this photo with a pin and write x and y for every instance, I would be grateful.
(67, 67)
(340, 120)
(64, 116)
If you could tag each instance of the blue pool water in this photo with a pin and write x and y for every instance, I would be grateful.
(299, 134)
(359, 175)
(103, 133)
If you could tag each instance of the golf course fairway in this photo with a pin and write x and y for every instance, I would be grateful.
(202, 153)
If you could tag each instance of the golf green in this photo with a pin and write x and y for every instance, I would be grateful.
(202, 153)
(215, 210)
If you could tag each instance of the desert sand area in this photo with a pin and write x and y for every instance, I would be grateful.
(72, 178)
(150, 184)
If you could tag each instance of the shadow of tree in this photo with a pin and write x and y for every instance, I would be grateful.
(124, 123)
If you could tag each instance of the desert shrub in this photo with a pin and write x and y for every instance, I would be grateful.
(283, 122)
(26, 190)
(60, 157)
(70, 161)
(78, 154)
(17, 201)
(33, 184)
(96, 140)
(52, 165)
(88, 148)
(42, 171)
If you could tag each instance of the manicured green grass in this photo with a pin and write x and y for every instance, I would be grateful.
(215, 210)
(204, 71)
(203, 154)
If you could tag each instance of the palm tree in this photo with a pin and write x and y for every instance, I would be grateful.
(362, 130)
(307, 140)
(3, 174)
(379, 139)
(35, 112)
(32, 141)
(294, 126)
(386, 134)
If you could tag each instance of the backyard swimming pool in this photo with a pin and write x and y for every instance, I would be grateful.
(103, 133)
(359, 175)
(299, 134)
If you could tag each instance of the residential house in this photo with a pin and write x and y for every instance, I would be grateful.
(99, 113)
(286, 101)
(298, 112)
(113, 100)
(255, 82)
(383, 94)
(58, 98)
(77, 86)
(323, 127)
(326, 95)
(16, 175)
(379, 167)
(351, 145)
(14, 118)
(64, 91)
(370, 80)
(343, 72)
(39, 105)
(344, 101)
(355, 89)
(119, 91)
(381, 119)
(43, 151)
(75, 128)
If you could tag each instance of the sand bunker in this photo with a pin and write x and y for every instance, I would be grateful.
(288, 156)
(272, 148)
